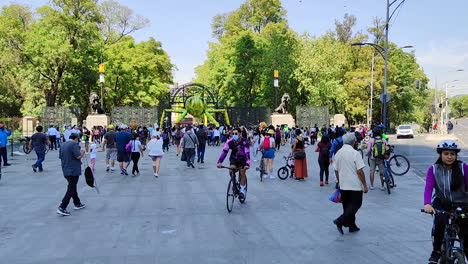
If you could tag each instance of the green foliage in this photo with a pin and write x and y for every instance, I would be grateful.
(459, 106)
(255, 39)
(51, 57)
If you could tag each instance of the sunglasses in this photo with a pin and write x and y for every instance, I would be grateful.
(235, 133)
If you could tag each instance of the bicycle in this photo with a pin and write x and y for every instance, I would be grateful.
(25, 142)
(233, 189)
(283, 172)
(388, 177)
(451, 253)
(397, 164)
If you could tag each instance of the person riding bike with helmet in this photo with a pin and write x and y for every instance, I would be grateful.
(449, 177)
(240, 156)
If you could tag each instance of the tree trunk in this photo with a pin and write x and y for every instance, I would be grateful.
(51, 95)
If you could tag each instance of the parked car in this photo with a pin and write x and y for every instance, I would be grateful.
(404, 131)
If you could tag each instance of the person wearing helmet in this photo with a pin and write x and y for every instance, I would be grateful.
(267, 146)
(449, 177)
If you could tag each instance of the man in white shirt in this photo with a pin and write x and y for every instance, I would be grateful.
(350, 176)
(52, 133)
(67, 133)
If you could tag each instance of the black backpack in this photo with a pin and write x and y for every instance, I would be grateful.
(324, 153)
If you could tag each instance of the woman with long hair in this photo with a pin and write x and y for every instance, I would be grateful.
(323, 148)
(300, 164)
(449, 178)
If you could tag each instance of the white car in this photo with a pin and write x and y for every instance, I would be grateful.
(404, 131)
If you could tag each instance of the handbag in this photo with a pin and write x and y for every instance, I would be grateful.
(183, 157)
(299, 155)
(336, 196)
(89, 176)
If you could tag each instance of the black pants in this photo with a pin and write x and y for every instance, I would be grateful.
(135, 159)
(166, 144)
(53, 142)
(324, 164)
(440, 221)
(351, 201)
(3, 155)
(278, 143)
(190, 154)
(71, 192)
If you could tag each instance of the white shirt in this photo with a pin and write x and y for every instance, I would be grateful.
(155, 147)
(92, 153)
(67, 134)
(347, 162)
(136, 145)
(216, 133)
(51, 131)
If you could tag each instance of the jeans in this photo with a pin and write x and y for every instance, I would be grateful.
(351, 201)
(53, 142)
(71, 192)
(3, 155)
(190, 154)
(166, 144)
(135, 159)
(40, 158)
(201, 153)
(58, 142)
(324, 164)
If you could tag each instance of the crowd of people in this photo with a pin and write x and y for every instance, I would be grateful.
(336, 146)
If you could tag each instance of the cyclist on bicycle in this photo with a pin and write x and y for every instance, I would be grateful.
(449, 177)
(240, 156)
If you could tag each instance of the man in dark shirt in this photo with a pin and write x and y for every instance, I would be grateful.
(39, 142)
(201, 135)
(121, 139)
(70, 156)
(111, 152)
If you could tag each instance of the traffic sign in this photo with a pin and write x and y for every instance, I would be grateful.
(382, 96)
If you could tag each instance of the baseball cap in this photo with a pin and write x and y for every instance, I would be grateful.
(111, 126)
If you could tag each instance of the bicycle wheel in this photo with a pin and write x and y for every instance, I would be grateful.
(283, 173)
(230, 195)
(458, 258)
(387, 182)
(261, 168)
(399, 165)
(26, 149)
(242, 200)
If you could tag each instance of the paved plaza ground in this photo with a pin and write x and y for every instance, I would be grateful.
(181, 217)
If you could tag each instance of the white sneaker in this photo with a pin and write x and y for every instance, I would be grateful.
(272, 176)
(382, 188)
(265, 176)
(371, 187)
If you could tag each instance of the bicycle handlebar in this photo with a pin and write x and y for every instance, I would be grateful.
(458, 215)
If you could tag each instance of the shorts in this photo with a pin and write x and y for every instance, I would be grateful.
(238, 163)
(376, 162)
(269, 154)
(122, 156)
(111, 154)
(156, 157)
(143, 141)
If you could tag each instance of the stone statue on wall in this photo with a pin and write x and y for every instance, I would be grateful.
(283, 108)
(96, 107)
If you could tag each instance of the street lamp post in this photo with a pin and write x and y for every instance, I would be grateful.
(384, 52)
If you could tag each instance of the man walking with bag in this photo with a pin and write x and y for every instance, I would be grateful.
(70, 155)
(350, 176)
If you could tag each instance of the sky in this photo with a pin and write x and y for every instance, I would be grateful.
(437, 29)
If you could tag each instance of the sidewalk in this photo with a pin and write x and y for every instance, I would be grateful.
(181, 218)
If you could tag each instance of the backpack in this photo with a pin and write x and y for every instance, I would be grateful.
(128, 147)
(379, 149)
(266, 143)
(165, 136)
(339, 146)
(324, 153)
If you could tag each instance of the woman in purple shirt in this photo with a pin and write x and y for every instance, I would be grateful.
(449, 178)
